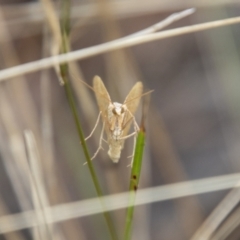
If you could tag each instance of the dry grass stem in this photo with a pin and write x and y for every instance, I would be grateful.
(145, 196)
(110, 46)
(39, 195)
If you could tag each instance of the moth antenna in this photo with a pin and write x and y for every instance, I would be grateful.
(87, 85)
(148, 92)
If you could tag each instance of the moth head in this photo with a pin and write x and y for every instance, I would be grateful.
(118, 108)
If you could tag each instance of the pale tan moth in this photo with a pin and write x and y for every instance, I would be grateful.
(117, 118)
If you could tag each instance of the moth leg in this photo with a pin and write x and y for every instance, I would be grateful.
(100, 143)
(136, 129)
(105, 140)
(134, 121)
(128, 136)
(135, 125)
(128, 121)
(132, 156)
(134, 146)
(98, 118)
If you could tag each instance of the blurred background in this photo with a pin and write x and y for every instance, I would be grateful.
(193, 118)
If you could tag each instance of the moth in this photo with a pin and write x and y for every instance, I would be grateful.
(116, 117)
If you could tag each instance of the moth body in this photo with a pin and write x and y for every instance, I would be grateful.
(115, 148)
(116, 114)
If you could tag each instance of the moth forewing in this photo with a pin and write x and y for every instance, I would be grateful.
(133, 98)
(131, 102)
(102, 96)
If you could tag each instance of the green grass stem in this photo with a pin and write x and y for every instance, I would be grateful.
(134, 180)
(65, 26)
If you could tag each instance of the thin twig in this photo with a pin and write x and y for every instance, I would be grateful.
(166, 22)
(40, 198)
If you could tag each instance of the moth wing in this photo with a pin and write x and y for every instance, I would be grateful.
(132, 101)
(101, 93)
(102, 96)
